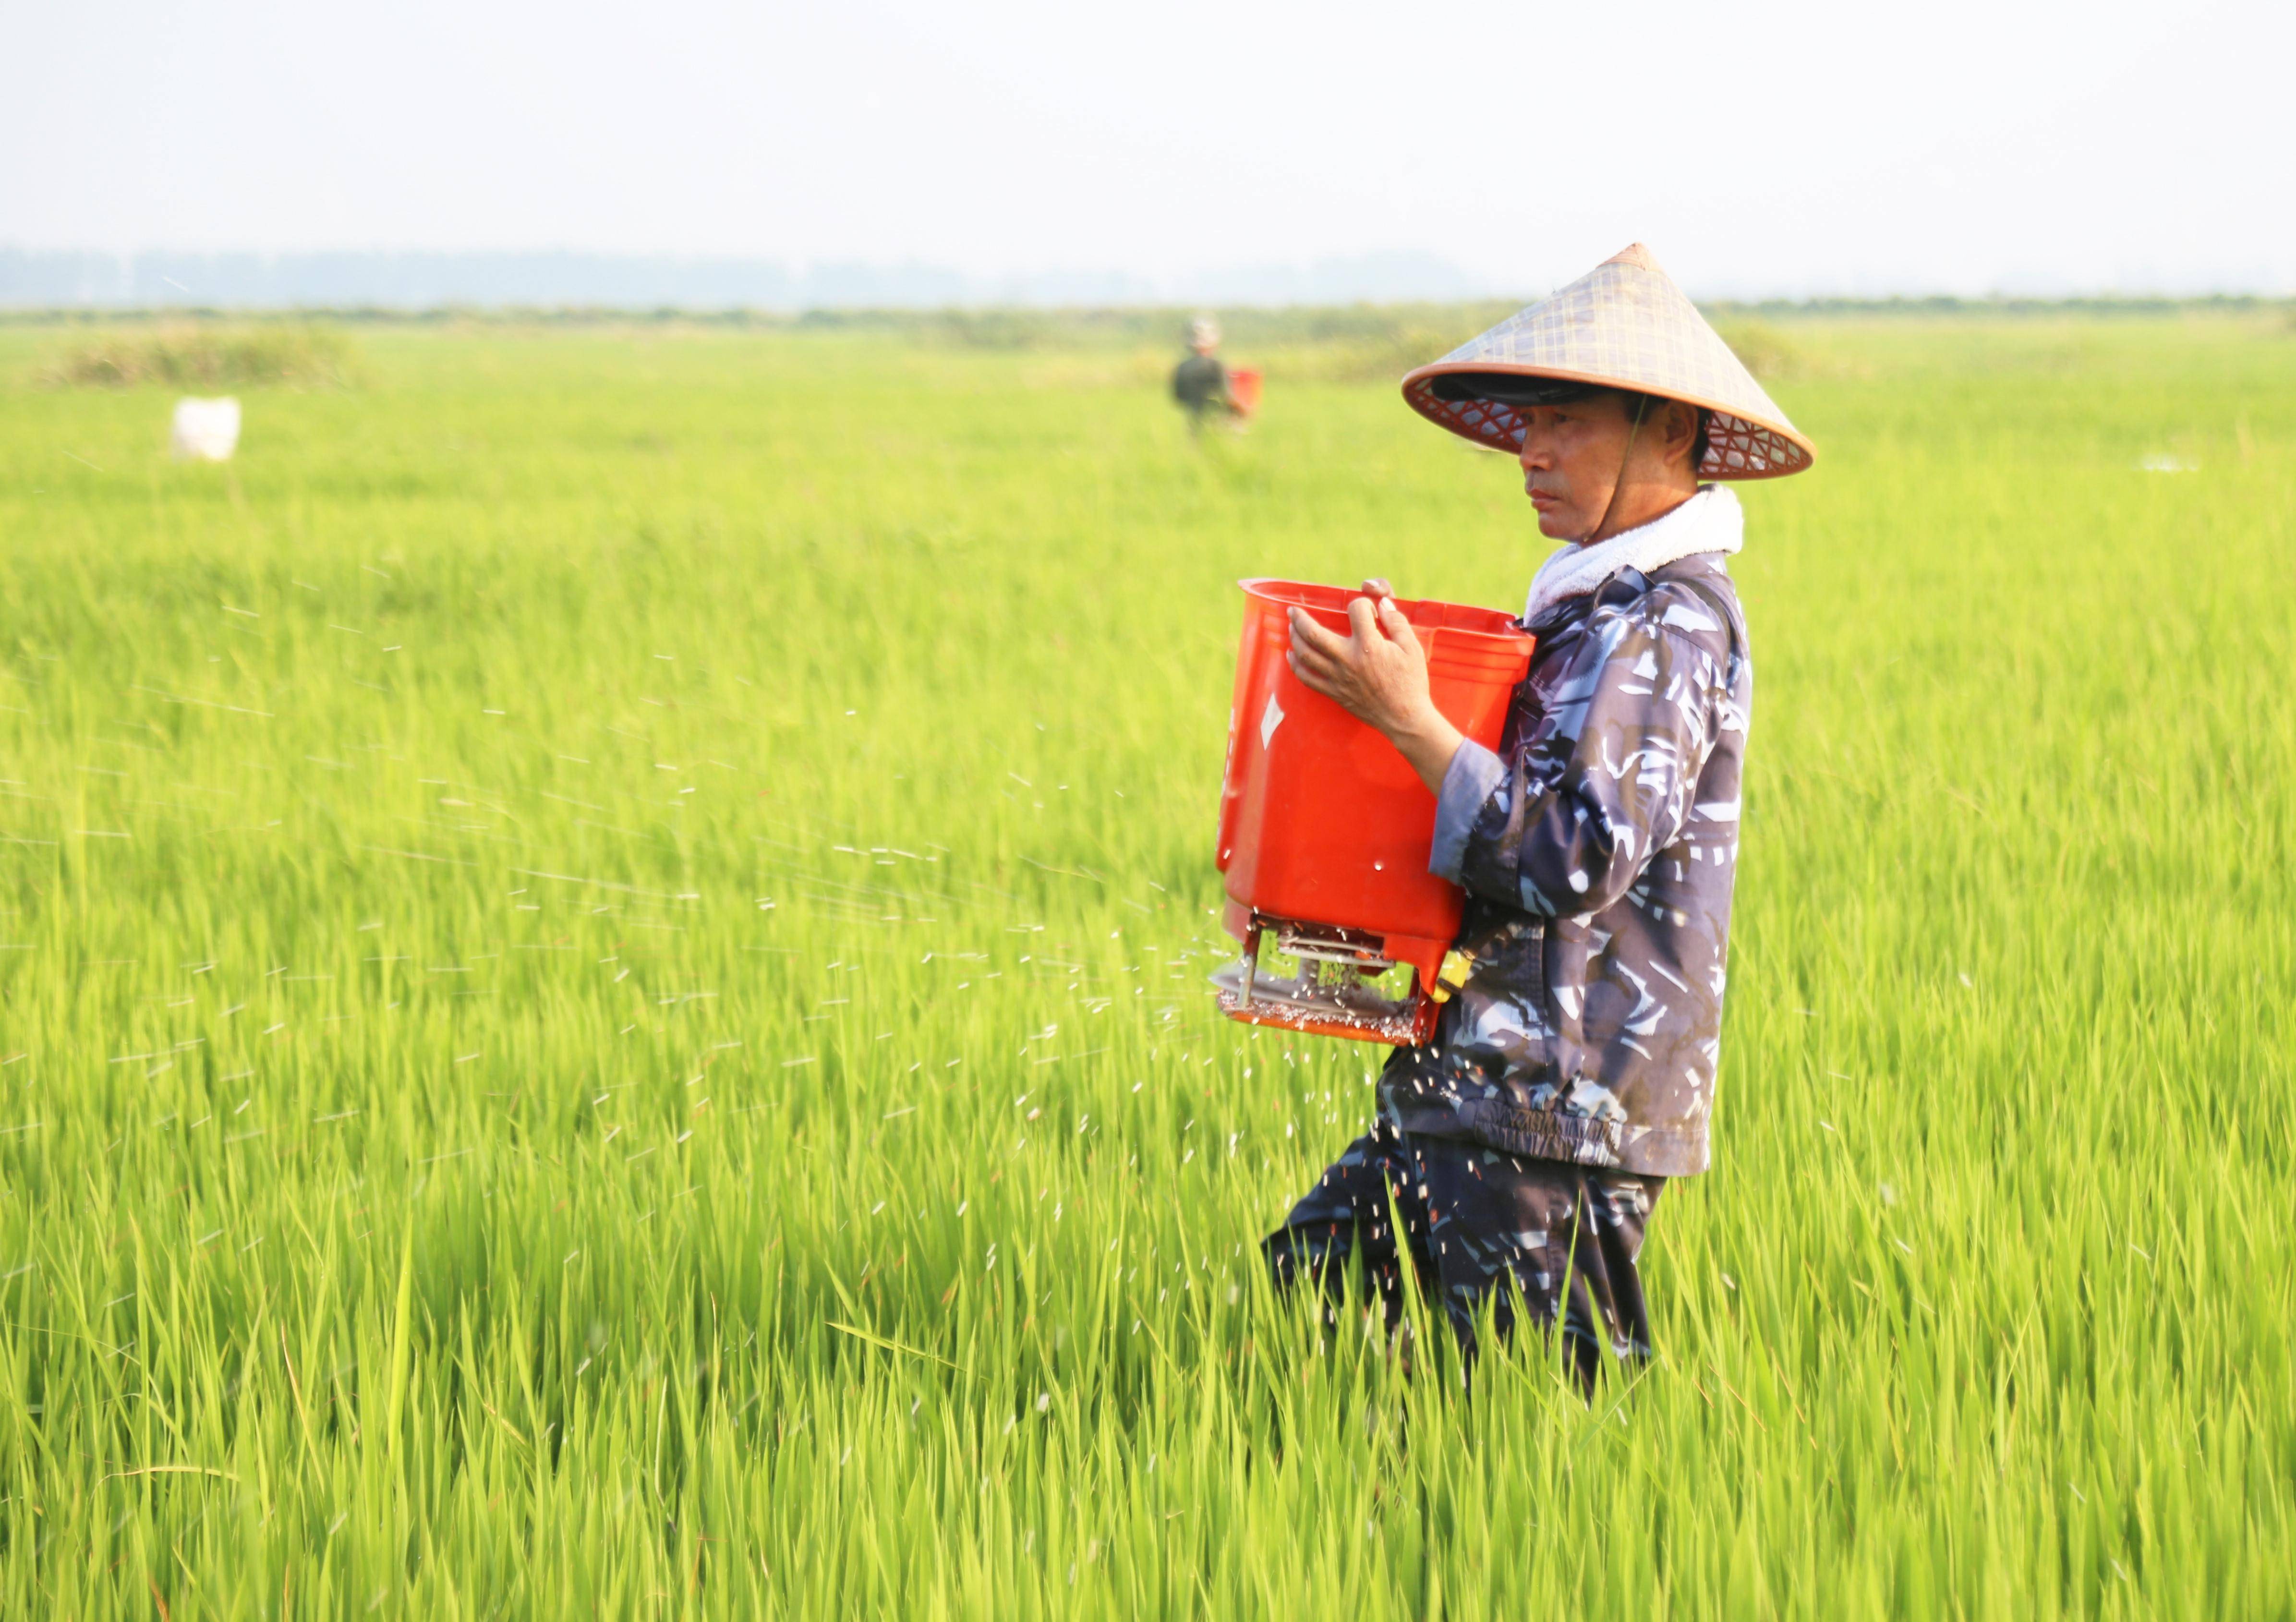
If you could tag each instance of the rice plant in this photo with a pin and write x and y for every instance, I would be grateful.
(603, 1012)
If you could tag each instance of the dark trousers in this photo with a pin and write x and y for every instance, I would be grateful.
(1545, 1237)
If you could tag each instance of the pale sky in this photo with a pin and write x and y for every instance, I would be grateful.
(1782, 148)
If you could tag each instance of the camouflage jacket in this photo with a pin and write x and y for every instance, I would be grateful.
(1597, 848)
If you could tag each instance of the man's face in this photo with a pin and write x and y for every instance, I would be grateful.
(1570, 462)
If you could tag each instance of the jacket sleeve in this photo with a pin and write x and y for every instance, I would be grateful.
(1609, 767)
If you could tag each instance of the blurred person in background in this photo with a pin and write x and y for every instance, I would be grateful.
(1199, 381)
(1521, 1151)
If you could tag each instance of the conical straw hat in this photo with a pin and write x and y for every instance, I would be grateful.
(1624, 324)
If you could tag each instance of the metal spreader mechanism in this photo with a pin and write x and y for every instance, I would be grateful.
(1337, 988)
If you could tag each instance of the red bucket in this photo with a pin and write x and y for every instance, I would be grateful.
(1244, 389)
(1324, 828)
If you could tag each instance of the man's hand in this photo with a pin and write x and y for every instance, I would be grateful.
(1378, 673)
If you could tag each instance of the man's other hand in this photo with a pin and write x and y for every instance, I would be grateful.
(1378, 673)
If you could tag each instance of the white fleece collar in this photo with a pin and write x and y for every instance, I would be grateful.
(1710, 521)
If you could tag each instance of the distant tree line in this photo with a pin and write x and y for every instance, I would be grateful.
(569, 281)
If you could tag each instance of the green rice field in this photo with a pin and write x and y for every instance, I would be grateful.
(603, 1008)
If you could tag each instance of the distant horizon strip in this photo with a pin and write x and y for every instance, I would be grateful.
(419, 282)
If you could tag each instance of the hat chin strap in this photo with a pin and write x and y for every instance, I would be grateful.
(1620, 483)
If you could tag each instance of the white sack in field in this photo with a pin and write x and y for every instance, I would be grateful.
(206, 429)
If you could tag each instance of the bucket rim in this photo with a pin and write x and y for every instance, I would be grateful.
(1500, 627)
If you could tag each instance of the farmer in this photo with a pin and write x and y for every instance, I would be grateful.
(1571, 1071)
(1199, 381)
